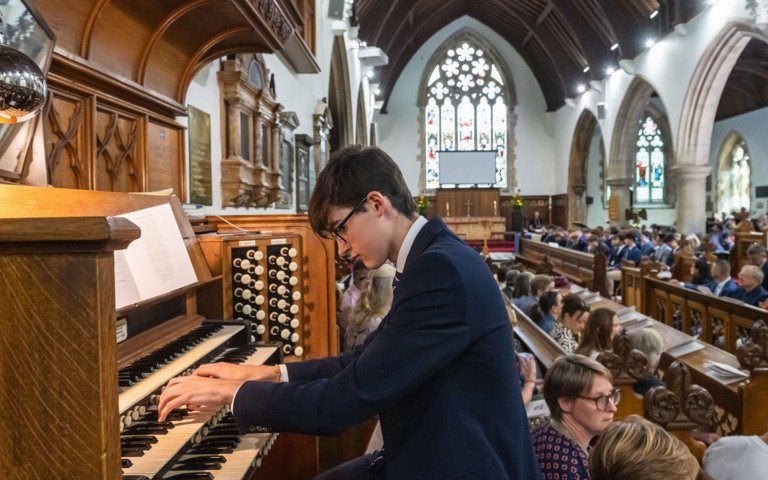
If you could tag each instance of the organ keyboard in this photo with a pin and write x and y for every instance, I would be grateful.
(188, 430)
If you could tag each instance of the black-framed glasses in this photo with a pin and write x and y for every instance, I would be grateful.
(601, 402)
(336, 232)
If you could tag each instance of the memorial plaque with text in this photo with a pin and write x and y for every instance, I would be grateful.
(200, 184)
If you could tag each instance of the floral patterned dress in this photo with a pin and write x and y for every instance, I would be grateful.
(559, 456)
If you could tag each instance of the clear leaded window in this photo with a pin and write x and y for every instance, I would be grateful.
(466, 110)
(649, 163)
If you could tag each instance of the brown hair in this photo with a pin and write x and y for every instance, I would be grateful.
(597, 333)
(568, 377)
(350, 174)
(641, 450)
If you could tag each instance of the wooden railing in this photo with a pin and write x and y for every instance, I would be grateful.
(584, 269)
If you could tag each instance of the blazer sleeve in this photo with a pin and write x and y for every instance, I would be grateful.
(326, 367)
(426, 329)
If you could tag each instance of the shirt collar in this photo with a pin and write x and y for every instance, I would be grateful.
(405, 248)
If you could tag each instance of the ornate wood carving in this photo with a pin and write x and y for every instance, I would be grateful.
(680, 404)
(250, 173)
(116, 159)
(754, 351)
(625, 364)
(66, 155)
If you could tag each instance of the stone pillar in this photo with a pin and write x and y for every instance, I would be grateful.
(620, 189)
(691, 197)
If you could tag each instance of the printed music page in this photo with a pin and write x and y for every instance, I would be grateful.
(154, 264)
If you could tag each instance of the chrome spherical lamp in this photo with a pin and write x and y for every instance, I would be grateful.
(22, 84)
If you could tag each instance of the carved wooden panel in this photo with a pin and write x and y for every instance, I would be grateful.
(165, 158)
(118, 167)
(67, 147)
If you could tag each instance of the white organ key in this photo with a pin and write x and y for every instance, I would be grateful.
(133, 394)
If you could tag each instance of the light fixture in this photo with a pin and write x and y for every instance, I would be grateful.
(609, 71)
(22, 84)
(377, 91)
(614, 46)
(650, 42)
(586, 69)
(581, 88)
(653, 15)
(369, 74)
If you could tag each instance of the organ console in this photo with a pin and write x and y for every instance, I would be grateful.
(81, 379)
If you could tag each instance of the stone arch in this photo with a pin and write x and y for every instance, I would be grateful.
(340, 96)
(620, 174)
(697, 118)
(492, 52)
(577, 166)
(361, 122)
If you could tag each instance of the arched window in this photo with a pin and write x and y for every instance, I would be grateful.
(650, 162)
(733, 176)
(466, 109)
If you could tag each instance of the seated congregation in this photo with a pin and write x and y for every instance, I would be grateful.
(637, 379)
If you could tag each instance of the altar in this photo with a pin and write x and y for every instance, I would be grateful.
(477, 228)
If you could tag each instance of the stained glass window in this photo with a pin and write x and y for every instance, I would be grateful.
(733, 179)
(466, 92)
(649, 163)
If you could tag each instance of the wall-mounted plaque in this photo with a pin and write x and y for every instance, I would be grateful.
(200, 184)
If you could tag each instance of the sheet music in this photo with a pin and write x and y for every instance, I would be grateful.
(686, 347)
(154, 264)
(725, 373)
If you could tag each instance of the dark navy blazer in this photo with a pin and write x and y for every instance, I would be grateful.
(729, 289)
(439, 371)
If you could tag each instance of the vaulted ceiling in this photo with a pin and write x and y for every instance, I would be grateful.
(558, 39)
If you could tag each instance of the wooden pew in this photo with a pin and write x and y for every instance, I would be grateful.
(672, 304)
(584, 269)
(743, 240)
(740, 406)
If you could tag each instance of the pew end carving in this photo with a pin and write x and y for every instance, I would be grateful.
(681, 407)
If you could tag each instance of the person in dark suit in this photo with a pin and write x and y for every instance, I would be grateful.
(721, 284)
(750, 291)
(535, 224)
(758, 257)
(439, 371)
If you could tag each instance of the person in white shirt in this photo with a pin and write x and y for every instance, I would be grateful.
(737, 457)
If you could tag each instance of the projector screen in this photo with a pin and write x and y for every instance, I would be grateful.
(476, 167)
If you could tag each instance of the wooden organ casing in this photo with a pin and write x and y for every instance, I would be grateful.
(58, 352)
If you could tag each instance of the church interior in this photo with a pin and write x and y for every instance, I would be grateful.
(531, 127)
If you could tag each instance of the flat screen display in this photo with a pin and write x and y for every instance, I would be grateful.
(468, 168)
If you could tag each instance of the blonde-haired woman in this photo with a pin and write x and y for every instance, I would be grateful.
(641, 450)
(372, 306)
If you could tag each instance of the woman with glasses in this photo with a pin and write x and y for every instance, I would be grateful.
(573, 318)
(582, 400)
